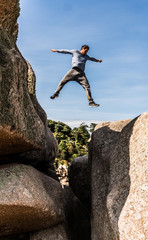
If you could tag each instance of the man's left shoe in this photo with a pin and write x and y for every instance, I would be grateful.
(54, 96)
(93, 104)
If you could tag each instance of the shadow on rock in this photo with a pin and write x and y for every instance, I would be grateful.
(103, 141)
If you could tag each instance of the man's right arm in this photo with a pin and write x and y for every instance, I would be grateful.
(54, 50)
(62, 51)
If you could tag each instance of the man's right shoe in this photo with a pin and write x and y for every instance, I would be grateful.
(54, 96)
(93, 104)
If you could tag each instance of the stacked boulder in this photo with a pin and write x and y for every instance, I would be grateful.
(79, 179)
(30, 200)
(33, 204)
(102, 142)
(118, 159)
(109, 185)
(113, 179)
(22, 120)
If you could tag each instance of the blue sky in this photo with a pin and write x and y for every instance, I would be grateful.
(116, 32)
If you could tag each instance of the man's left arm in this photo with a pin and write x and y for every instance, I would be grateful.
(94, 59)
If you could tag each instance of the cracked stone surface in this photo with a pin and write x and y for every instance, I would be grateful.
(119, 165)
(29, 200)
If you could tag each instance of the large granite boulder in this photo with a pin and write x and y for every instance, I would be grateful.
(118, 180)
(54, 233)
(77, 217)
(79, 179)
(9, 12)
(102, 140)
(43, 158)
(77, 221)
(21, 128)
(128, 186)
(23, 124)
(29, 200)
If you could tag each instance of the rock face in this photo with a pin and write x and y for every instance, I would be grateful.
(101, 142)
(29, 200)
(77, 217)
(127, 192)
(118, 158)
(55, 233)
(79, 179)
(43, 158)
(20, 125)
(9, 12)
(22, 120)
(31, 203)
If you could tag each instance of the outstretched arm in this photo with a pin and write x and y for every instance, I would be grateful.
(62, 51)
(94, 59)
(54, 50)
(100, 60)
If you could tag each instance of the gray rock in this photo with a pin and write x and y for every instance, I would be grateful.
(54, 233)
(24, 236)
(21, 128)
(9, 12)
(77, 217)
(79, 179)
(102, 141)
(23, 122)
(128, 186)
(119, 180)
(29, 200)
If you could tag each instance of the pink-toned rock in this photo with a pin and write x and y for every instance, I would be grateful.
(102, 140)
(9, 12)
(118, 157)
(128, 188)
(21, 128)
(23, 125)
(44, 157)
(29, 200)
(115, 125)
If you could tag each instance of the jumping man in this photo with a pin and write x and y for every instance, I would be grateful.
(77, 74)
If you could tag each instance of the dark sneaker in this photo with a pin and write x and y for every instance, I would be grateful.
(93, 104)
(54, 96)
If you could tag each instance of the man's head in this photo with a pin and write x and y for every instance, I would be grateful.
(84, 49)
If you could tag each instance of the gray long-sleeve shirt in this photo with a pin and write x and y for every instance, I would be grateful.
(78, 59)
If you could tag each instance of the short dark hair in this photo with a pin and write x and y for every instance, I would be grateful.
(85, 47)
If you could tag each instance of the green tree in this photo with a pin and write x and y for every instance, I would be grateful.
(81, 134)
(92, 127)
(72, 142)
